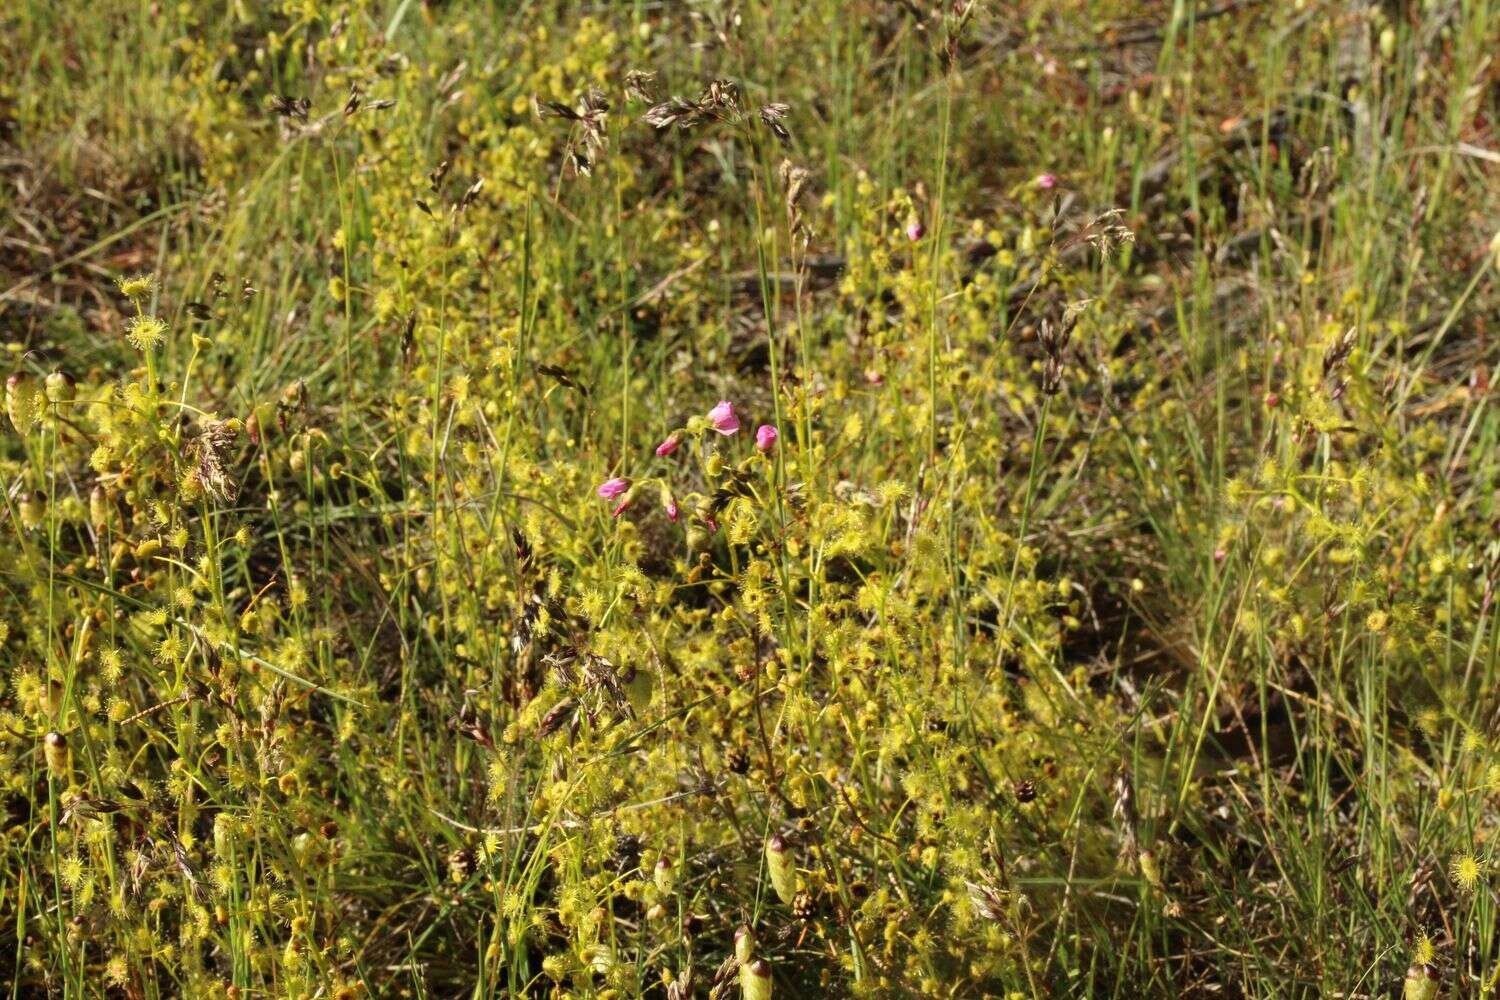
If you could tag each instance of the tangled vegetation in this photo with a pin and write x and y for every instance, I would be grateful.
(879, 498)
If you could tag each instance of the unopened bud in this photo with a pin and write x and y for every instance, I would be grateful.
(98, 507)
(1149, 869)
(32, 509)
(626, 499)
(669, 502)
(224, 834)
(1388, 44)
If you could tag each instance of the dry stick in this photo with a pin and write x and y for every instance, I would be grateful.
(746, 841)
(854, 814)
(181, 699)
(657, 290)
(89, 251)
(1148, 36)
(567, 824)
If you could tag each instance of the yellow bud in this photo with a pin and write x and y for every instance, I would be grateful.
(1149, 868)
(32, 509)
(54, 698)
(224, 833)
(1388, 44)
(98, 507)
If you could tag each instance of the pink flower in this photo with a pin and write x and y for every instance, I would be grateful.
(723, 418)
(671, 510)
(765, 437)
(1046, 181)
(669, 445)
(611, 488)
(915, 230)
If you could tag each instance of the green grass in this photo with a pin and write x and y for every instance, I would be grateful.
(1113, 614)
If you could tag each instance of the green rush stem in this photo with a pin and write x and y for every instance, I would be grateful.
(52, 813)
(932, 272)
(625, 345)
(338, 180)
(1031, 477)
(765, 294)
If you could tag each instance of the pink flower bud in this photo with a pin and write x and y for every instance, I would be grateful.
(621, 508)
(669, 445)
(1046, 181)
(915, 230)
(611, 488)
(668, 502)
(724, 419)
(765, 437)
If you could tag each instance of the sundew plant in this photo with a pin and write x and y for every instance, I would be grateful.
(726, 499)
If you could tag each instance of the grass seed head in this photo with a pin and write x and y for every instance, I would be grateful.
(780, 868)
(61, 387)
(21, 402)
(744, 944)
(755, 980)
(55, 749)
(1421, 982)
